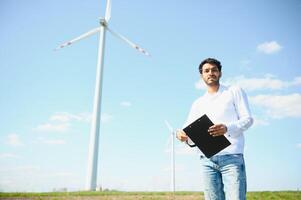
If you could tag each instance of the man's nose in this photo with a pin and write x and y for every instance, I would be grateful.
(211, 71)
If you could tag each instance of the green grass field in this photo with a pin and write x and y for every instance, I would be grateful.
(290, 195)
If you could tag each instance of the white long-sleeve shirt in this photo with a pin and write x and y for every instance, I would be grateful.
(229, 106)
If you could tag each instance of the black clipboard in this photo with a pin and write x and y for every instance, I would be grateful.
(197, 131)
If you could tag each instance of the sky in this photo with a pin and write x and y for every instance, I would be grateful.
(47, 96)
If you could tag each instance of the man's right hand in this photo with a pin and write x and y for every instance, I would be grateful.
(181, 135)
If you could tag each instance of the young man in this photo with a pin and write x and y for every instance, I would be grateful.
(224, 175)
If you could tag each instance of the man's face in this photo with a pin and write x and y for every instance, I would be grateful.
(211, 74)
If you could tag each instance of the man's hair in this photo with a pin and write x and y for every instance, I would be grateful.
(211, 61)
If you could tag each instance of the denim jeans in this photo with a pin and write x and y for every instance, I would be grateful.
(224, 177)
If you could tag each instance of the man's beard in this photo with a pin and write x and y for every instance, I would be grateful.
(214, 82)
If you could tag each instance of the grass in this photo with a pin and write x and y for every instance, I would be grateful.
(116, 195)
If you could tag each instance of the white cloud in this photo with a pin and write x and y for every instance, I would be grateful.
(126, 104)
(279, 106)
(23, 169)
(61, 174)
(53, 127)
(106, 118)
(54, 142)
(268, 82)
(81, 117)
(8, 155)
(42, 140)
(269, 47)
(62, 121)
(260, 122)
(13, 139)
(200, 85)
(67, 117)
(62, 117)
(299, 146)
(33, 178)
(296, 81)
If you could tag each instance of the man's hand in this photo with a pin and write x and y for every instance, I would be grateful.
(181, 135)
(217, 130)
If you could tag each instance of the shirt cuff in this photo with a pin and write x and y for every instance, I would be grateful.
(231, 131)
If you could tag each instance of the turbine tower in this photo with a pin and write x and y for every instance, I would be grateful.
(172, 152)
(91, 182)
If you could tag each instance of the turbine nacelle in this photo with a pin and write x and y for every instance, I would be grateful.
(103, 22)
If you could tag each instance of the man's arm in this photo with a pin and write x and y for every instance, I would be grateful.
(245, 120)
(181, 135)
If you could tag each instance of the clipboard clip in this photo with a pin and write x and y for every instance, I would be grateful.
(191, 145)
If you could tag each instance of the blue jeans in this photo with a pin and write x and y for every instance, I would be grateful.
(224, 177)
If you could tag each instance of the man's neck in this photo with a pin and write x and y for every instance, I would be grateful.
(213, 88)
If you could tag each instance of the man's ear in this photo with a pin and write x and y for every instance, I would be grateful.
(220, 74)
(201, 76)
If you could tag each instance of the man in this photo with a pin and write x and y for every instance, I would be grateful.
(224, 174)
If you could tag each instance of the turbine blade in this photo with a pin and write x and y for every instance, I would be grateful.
(108, 11)
(133, 45)
(87, 34)
(169, 126)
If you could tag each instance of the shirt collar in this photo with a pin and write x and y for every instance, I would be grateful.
(220, 90)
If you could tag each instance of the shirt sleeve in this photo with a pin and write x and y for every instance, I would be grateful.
(245, 120)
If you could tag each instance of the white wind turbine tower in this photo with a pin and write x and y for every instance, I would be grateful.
(95, 126)
(172, 151)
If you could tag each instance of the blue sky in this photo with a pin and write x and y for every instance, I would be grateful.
(46, 96)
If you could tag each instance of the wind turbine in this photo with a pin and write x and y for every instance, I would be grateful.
(95, 126)
(172, 131)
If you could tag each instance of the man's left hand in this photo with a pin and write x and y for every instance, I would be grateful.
(217, 130)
